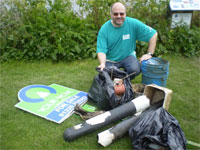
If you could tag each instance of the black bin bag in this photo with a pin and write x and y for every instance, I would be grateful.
(157, 130)
(102, 88)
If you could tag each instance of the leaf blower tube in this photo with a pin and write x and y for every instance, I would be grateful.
(136, 105)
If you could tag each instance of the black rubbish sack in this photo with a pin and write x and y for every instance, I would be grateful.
(157, 130)
(102, 89)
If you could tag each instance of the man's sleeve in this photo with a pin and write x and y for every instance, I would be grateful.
(102, 46)
(143, 31)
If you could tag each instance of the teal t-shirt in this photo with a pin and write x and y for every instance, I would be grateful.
(120, 42)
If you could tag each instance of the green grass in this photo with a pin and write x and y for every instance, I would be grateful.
(23, 131)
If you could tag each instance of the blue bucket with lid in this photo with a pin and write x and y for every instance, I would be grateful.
(155, 71)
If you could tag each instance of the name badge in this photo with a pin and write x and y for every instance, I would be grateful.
(125, 37)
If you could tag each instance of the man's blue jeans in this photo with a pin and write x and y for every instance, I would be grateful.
(130, 64)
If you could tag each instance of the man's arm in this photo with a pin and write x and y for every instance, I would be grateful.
(102, 60)
(151, 48)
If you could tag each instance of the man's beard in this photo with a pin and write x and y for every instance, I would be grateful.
(115, 21)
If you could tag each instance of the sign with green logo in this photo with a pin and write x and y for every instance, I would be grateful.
(53, 102)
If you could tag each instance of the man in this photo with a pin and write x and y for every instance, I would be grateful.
(116, 41)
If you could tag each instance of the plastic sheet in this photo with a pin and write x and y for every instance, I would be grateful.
(157, 130)
(102, 89)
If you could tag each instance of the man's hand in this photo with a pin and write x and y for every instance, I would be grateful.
(101, 66)
(102, 60)
(145, 57)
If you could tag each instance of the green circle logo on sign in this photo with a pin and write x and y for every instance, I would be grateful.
(35, 93)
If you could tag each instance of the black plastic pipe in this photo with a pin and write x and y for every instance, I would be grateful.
(136, 105)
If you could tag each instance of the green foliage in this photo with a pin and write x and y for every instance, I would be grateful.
(183, 40)
(29, 30)
(39, 33)
(99, 11)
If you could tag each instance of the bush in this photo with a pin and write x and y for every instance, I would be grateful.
(39, 33)
(29, 30)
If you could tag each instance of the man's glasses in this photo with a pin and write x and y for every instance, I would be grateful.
(116, 14)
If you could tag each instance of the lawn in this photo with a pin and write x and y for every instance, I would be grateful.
(23, 131)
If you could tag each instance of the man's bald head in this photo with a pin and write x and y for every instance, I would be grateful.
(117, 5)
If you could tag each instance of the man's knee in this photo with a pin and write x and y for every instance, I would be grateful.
(135, 72)
(134, 69)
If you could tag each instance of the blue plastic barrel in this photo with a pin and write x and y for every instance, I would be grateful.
(155, 71)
